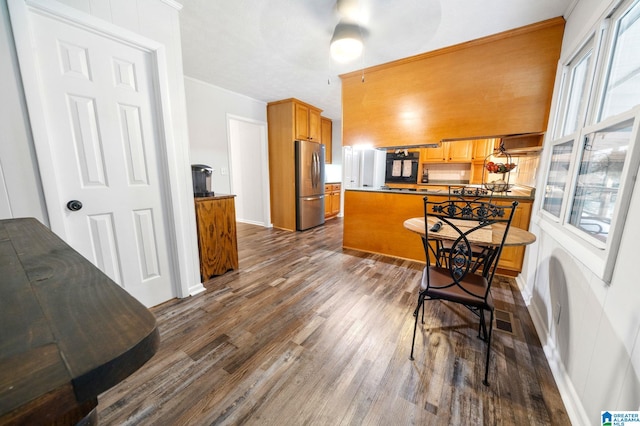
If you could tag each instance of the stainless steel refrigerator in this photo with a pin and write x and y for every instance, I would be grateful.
(309, 184)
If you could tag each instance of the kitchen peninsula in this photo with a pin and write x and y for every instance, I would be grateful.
(453, 117)
(374, 217)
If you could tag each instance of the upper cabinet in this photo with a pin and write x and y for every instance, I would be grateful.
(496, 85)
(327, 138)
(459, 151)
(307, 122)
(483, 148)
(453, 152)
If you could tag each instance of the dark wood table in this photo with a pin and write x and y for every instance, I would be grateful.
(67, 331)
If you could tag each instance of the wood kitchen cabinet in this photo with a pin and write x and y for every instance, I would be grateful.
(512, 257)
(308, 122)
(327, 137)
(331, 200)
(448, 152)
(217, 239)
(286, 120)
(482, 148)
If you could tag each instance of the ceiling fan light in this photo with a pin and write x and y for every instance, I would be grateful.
(346, 43)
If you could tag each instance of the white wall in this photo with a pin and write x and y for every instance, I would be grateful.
(207, 109)
(590, 331)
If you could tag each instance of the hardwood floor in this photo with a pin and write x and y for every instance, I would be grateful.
(306, 333)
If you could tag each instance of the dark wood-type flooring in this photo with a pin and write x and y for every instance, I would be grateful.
(306, 333)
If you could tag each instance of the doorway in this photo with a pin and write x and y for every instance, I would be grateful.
(249, 163)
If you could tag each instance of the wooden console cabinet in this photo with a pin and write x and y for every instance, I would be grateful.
(217, 238)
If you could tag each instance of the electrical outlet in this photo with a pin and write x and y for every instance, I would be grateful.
(558, 310)
(224, 171)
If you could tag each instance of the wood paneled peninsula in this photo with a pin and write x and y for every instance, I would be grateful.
(489, 87)
(373, 221)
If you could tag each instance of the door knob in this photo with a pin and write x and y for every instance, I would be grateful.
(74, 205)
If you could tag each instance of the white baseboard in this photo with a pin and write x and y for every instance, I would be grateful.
(253, 222)
(196, 289)
(570, 398)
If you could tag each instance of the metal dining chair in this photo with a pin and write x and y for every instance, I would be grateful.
(465, 223)
(442, 248)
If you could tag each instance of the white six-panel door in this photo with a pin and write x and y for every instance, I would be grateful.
(99, 105)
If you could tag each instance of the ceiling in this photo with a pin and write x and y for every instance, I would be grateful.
(277, 49)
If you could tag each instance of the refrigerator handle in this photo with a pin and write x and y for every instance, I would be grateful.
(318, 169)
(314, 170)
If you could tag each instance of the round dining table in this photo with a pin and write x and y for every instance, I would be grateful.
(515, 237)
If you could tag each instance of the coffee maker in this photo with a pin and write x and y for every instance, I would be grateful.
(201, 176)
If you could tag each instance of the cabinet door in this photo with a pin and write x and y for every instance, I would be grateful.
(327, 131)
(335, 202)
(315, 133)
(482, 148)
(512, 257)
(459, 151)
(302, 122)
(327, 200)
(476, 172)
(433, 155)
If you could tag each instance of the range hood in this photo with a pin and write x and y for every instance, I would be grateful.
(422, 145)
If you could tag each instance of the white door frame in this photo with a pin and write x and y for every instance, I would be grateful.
(177, 183)
(266, 199)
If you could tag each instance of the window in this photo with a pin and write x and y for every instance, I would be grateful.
(598, 181)
(622, 89)
(591, 165)
(578, 72)
(557, 178)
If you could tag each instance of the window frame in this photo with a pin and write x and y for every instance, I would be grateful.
(597, 255)
(567, 84)
(608, 32)
(618, 216)
(570, 173)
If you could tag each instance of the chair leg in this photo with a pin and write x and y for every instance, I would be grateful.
(482, 327)
(415, 325)
(486, 366)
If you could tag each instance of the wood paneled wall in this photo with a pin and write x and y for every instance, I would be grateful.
(496, 85)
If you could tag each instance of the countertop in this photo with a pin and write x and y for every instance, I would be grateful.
(214, 197)
(516, 192)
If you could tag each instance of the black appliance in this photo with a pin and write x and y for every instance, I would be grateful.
(402, 167)
(201, 176)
